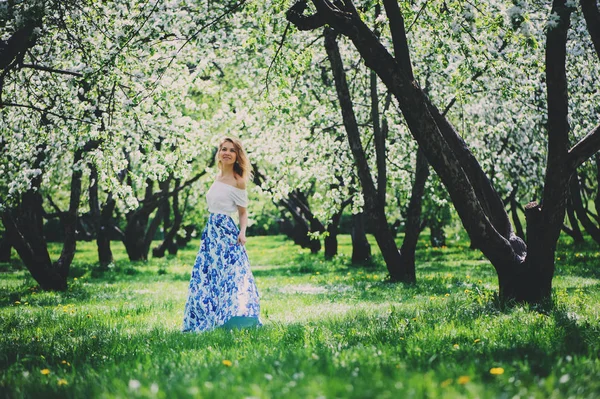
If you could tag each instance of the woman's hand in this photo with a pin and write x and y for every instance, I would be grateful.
(242, 239)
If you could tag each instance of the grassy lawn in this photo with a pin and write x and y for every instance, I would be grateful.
(330, 330)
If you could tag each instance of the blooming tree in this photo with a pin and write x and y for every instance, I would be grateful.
(525, 271)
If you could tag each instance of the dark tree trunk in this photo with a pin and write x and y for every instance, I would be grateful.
(597, 199)
(577, 203)
(531, 281)
(5, 248)
(374, 209)
(413, 218)
(514, 210)
(330, 241)
(138, 233)
(437, 236)
(304, 221)
(100, 216)
(361, 249)
(168, 242)
(523, 274)
(574, 231)
(137, 223)
(24, 227)
(165, 207)
(183, 241)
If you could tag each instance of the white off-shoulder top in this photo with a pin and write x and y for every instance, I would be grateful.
(225, 198)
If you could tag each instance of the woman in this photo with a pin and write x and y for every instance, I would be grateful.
(222, 290)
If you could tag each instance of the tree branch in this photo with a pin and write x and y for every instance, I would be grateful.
(51, 70)
(401, 52)
(42, 111)
(583, 150)
(295, 14)
(592, 20)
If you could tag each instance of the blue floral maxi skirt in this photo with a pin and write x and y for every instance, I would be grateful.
(222, 291)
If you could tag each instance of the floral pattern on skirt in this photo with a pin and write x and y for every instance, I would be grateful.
(222, 291)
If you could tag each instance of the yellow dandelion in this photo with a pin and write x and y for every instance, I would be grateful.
(445, 383)
(477, 340)
(447, 295)
(496, 370)
(62, 381)
(455, 346)
(468, 277)
(227, 363)
(467, 291)
(89, 316)
(45, 371)
(463, 379)
(17, 302)
(317, 273)
(64, 362)
(75, 279)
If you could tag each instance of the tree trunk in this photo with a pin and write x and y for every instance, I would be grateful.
(5, 248)
(523, 275)
(531, 281)
(577, 203)
(437, 236)
(374, 209)
(331, 243)
(24, 227)
(168, 242)
(100, 216)
(514, 208)
(137, 223)
(413, 218)
(597, 199)
(574, 231)
(361, 249)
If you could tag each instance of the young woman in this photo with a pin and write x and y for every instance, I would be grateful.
(222, 291)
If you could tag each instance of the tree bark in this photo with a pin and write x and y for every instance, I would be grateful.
(412, 228)
(304, 220)
(574, 231)
(168, 242)
(374, 209)
(330, 241)
(24, 227)
(578, 206)
(5, 248)
(361, 249)
(477, 203)
(597, 199)
(138, 233)
(99, 216)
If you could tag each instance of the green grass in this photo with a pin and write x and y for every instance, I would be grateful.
(330, 330)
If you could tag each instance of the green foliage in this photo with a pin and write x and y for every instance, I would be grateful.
(330, 330)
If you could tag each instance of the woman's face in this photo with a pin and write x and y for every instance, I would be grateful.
(227, 154)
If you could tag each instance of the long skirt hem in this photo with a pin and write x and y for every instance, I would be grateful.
(222, 291)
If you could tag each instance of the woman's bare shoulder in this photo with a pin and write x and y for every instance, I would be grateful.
(240, 183)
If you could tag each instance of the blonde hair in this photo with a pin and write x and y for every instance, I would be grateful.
(242, 166)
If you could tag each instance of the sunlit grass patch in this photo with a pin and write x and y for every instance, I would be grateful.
(331, 329)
